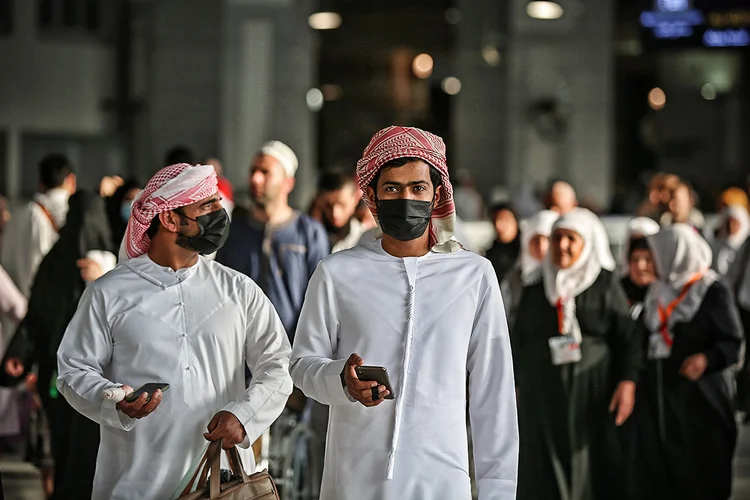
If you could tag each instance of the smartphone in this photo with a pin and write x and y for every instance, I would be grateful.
(377, 374)
(148, 389)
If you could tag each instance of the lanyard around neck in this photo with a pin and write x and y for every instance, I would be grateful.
(666, 312)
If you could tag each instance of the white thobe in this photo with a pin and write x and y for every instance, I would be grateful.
(194, 329)
(428, 321)
(30, 235)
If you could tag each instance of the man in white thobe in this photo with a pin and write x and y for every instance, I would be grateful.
(33, 230)
(429, 312)
(166, 314)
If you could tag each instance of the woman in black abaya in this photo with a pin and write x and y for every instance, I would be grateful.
(57, 288)
(576, 355)
(685, 400)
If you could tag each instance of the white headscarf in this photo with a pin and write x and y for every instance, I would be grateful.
(679, 254)
(566, 284)
(726, 246)
(599, 238)
(538, 225)
(638, 226)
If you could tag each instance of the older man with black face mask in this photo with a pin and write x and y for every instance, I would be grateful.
(168, 315)
(416, 304)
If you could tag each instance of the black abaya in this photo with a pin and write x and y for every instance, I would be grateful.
(569, 444)
(503, 256)
(54, 298)
(686, 431)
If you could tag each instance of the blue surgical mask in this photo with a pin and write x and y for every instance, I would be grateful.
(125, 209)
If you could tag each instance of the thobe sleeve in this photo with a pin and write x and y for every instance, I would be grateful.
(84, 353)
(492, 396)
(12, 302)
(267, 352)
(726, 328)
(626, 336)
(315, 369)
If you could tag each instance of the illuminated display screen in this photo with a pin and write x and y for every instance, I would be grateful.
(711, 23)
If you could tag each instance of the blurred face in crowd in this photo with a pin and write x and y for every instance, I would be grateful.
(566, 248)
(562, 198)
(269, 182)
(338, 207)
(681, 204)
(538, 246)
(506, 225)
(642, 270)
(733, 226)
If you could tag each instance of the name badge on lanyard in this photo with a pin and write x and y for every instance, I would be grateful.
(660, 344)
(565, 348)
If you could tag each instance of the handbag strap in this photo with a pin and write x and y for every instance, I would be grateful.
(201, 469)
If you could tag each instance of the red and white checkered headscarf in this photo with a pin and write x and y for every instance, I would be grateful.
(408, 142)
(172, 187)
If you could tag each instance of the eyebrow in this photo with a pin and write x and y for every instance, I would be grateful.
(401, 184)
(210, 202)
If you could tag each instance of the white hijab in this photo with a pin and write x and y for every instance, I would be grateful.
(679, 254)
(726, 246)
(599, 238)
(538, 225)
(567, 284)
(638, 226)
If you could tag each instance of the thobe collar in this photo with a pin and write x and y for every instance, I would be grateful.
(377, 246)
(161, 276)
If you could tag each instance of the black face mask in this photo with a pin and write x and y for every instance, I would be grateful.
(404, 220)
(214, 230)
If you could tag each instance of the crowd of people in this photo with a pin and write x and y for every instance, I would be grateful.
(578, 377)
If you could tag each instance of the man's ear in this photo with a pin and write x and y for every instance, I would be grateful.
(436, 198)
(290, 182)
(371, 196)
(170, 221)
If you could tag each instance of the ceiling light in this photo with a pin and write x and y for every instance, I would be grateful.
(324, 21)
(657, 99)
(544, 10)
(451, 85)
(423, 65)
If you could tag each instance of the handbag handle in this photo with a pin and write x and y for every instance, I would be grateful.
(235, 464)
(212, 453)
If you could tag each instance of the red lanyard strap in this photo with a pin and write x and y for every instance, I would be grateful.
(560, 316)
(666, 312)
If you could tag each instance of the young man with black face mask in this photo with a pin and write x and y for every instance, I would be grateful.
(168, 315)
(429, 312)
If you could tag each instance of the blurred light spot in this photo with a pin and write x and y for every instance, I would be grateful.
(332, 92)
(324, 21)
(451, 85)
(453, 16)
(544, 10)
(422, 65)
(708, 91)
(491, 55)
(657, 99)
(314, 99)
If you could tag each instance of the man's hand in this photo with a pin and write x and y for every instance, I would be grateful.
(360, 390)
(14, 367)
(226, 426)
(141, 407)
(109, 184)
(90, 270)
(694, 366)
(623, 401)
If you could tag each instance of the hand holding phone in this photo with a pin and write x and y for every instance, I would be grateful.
(142, 402)
(368, 392)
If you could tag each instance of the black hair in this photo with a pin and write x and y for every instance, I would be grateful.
(333, 181)
(435, 177)
(179, 154)
(639, 243)
(53, 170)
(154, 227)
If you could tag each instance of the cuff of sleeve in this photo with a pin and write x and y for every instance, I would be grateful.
(113, 417)
(716, 360)
(335, 387)
(630, 375)
(244, 415)
(496, 489)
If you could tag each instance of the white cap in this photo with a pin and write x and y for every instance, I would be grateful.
(283, 154)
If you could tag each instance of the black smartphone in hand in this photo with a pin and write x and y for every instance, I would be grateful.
(148, 389)
(375, 374)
